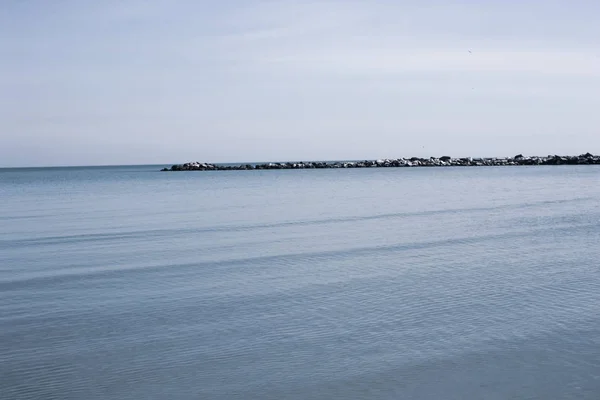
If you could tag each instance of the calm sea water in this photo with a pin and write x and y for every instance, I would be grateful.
(449, 283)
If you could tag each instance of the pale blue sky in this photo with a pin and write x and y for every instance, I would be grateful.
(128, 82)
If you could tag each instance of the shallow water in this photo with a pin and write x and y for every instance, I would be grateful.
(423, 283)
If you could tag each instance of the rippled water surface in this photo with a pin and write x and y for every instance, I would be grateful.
(445, 283)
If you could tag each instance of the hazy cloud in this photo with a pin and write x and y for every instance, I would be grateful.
(156, 82)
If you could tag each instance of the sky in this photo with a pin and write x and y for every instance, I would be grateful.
(157, 81)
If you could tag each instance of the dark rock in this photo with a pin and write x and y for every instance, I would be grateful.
(583, 159)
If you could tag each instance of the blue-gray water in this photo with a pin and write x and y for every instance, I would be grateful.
(448, 283)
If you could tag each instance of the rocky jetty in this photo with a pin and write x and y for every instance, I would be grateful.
(445, 161)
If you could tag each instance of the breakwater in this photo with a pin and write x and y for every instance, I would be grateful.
(445, 161)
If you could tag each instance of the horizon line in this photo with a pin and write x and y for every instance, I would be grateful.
(260, 162)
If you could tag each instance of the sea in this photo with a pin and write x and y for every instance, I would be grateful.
(374, 283)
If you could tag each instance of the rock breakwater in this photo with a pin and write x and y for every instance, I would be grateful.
(445, 161)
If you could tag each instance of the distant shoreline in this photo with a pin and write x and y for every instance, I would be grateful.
(445, 161)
